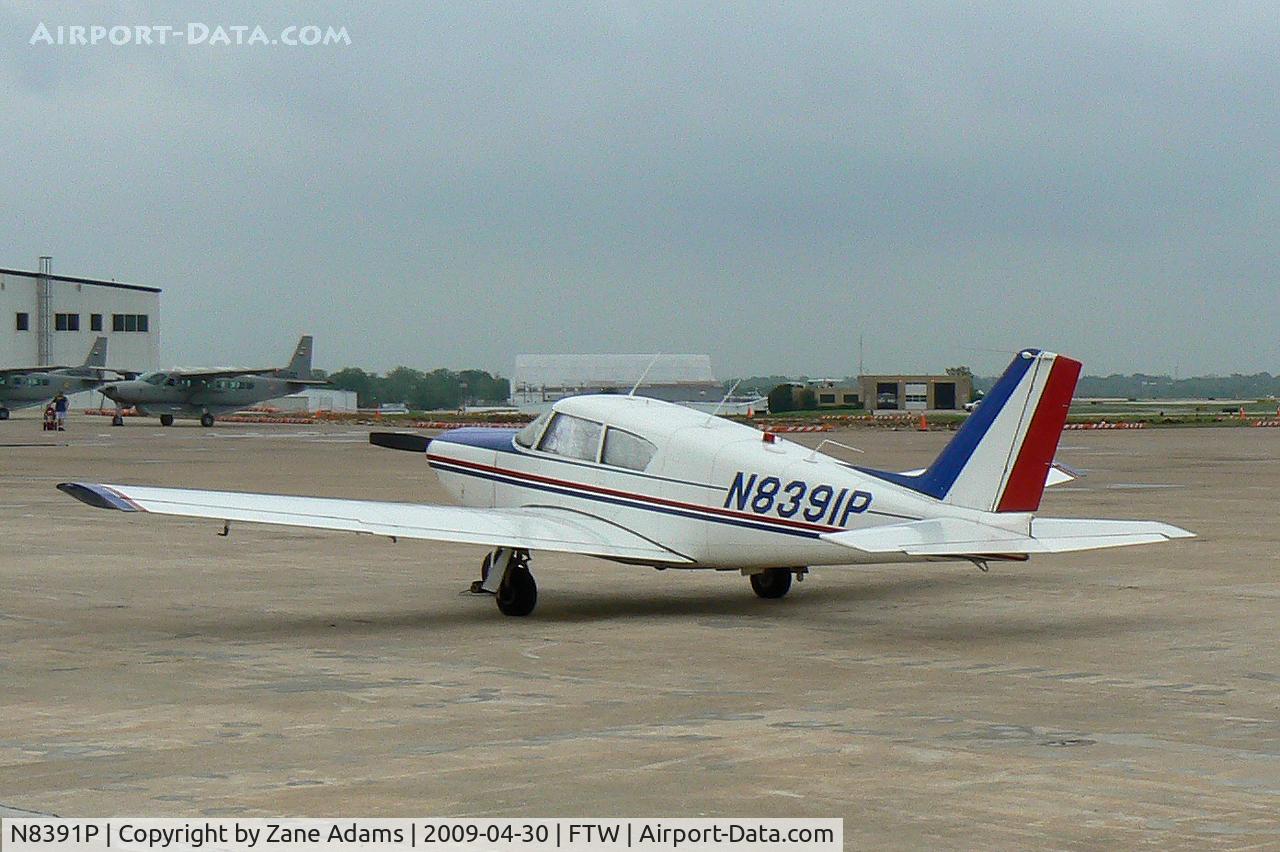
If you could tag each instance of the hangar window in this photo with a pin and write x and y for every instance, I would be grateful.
(66, 322)
(529, 434)
(129, 322)
(622, 449)
(573, 437)
(23, 322)
(95, 322)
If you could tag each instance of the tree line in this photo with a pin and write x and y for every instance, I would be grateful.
(423, 391)
(1144, 386)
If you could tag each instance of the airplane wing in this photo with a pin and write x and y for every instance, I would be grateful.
(9, 371)
(534, 528)
(209, 375)
(959, 537)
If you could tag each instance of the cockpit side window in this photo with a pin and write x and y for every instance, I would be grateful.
(529, 434)
(622, 449)
(572, 437)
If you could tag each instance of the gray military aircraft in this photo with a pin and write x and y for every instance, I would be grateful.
(204, 394)
(22, 387)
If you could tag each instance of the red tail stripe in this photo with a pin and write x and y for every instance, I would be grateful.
(1026, 480)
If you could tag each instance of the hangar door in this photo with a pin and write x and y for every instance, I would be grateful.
(944, 395)
(917, 396)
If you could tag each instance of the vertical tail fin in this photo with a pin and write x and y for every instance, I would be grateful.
(1000, 458)
(97, 356)
(300, 364)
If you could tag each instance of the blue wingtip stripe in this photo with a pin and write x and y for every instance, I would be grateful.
(98, 496)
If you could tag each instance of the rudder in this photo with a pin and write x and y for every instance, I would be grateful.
(1000, 458)
(300, 364)
(97, 356)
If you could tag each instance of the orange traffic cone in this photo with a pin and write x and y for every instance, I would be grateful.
(924, 423)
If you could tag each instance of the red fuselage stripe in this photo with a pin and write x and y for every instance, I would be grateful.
(630, 495)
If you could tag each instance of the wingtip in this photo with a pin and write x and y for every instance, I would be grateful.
(98, 496)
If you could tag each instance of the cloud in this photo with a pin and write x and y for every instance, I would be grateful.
(467, 182)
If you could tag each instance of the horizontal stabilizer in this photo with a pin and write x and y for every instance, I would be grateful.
(1058, 474)
(959, 537)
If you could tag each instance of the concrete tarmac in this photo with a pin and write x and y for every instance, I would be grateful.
(1112, 699)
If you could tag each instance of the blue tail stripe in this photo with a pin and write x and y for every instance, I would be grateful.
(942, 474)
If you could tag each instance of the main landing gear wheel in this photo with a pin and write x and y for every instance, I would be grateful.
(206, 420)
(518, 594)
(166, 419)
(773, 583)
(4, 414)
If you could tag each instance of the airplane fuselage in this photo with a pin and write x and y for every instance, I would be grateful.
(716, 492)
(23, 390)
(192, 398)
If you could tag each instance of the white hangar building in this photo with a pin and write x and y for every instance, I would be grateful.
(540, 380)
(48, 319)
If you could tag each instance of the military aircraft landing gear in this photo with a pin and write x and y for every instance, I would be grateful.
(206, 420)
(166, 419)
(773, 583)
(4, 413)
(515, 589)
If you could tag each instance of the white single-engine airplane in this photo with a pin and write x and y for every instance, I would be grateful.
(647, 482)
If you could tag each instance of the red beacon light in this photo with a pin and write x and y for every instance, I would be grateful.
(770, 438)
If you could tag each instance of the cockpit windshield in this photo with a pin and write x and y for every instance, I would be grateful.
(154, 378)
(529, 434)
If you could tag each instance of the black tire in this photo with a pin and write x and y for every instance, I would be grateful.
(166, 419)
(117, 420)
(485, 566)
(4, 414)
(774, 583)
(518, 594)
(206, 420)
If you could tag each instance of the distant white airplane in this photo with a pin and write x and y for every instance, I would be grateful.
(647, 482)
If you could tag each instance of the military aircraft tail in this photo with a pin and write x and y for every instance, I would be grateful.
(1000, 458)
(300, 364)
(97, 357)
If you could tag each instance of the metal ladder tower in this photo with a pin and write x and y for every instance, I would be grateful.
(44, 312)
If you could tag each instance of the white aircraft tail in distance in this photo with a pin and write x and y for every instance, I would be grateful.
(642, 481)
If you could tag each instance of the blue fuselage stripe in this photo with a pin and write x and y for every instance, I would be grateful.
(637, 503)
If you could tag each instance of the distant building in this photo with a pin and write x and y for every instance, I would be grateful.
(540, 380)
(317, 398)
(833, 393)
(915, 393)
(48, 319)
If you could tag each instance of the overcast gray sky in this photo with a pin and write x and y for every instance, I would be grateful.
(465, 182)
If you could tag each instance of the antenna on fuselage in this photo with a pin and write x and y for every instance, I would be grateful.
(721, 403)
(640, 380)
